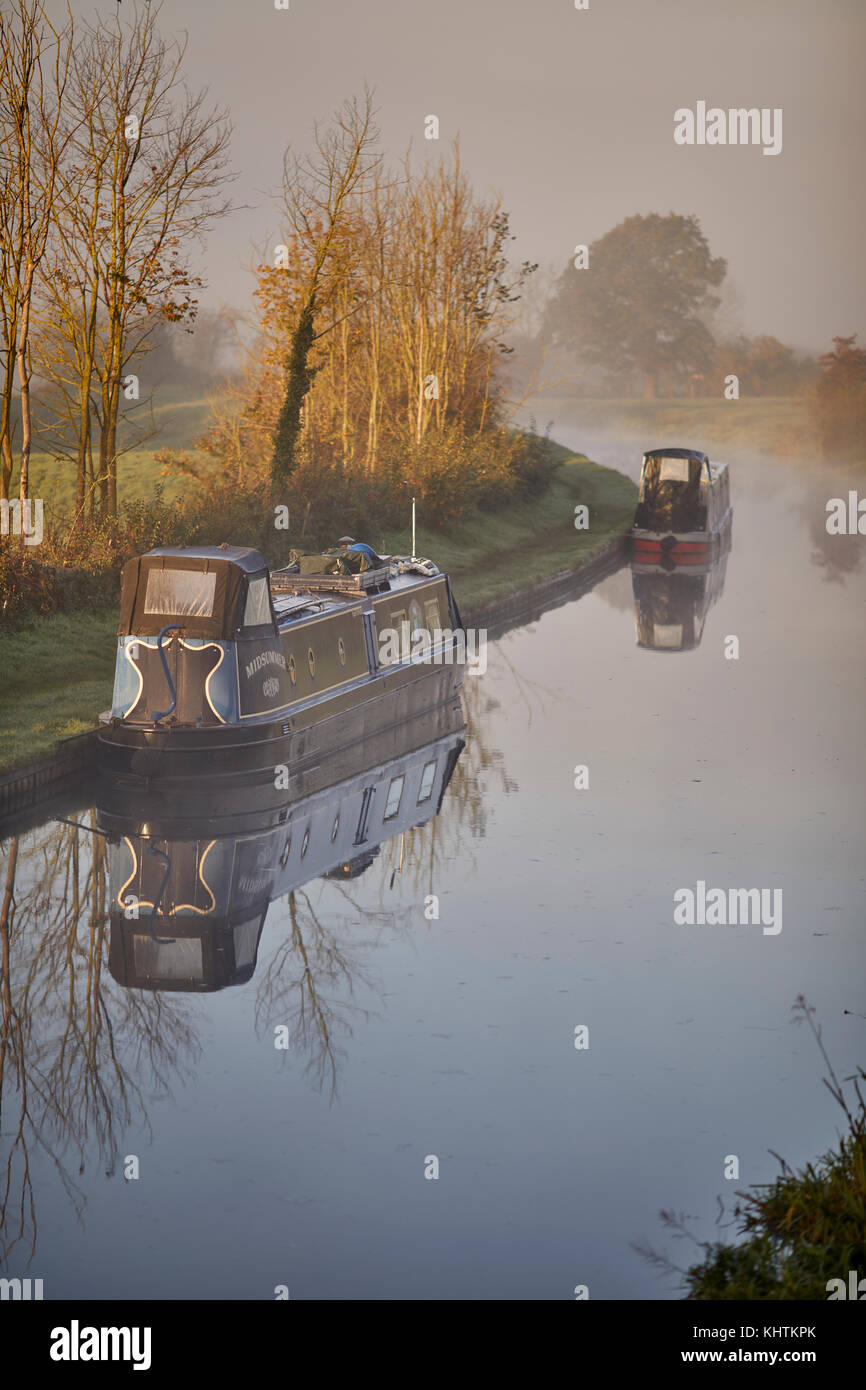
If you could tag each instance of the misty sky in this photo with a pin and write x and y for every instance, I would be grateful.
(569, 114)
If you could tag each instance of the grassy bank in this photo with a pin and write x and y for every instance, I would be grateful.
(56, 676)
(489, 554)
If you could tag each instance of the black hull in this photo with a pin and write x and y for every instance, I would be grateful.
(171, 767)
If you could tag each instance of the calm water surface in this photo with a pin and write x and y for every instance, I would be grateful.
(414, 1037)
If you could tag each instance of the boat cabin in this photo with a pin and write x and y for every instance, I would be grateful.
(682, 496)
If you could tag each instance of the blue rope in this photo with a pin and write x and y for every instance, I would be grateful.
(156, 715)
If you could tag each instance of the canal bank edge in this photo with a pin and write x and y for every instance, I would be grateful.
(39, 780)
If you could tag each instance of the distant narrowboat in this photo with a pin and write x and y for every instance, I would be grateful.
(684, 507)
(224, 668)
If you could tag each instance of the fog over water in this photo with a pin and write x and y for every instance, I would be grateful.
(456, 1037)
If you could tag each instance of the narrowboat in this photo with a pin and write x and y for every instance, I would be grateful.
(673, 594)
(188, 900)
(226, 669)
(683, 509)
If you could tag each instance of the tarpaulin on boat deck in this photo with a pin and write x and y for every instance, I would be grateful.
(204, 592)
(340, 561)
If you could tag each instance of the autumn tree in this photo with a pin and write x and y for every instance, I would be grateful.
(380, 343)
(144, 177)
(642, 301)
(839, 399)
(318, 200)
(411, 312)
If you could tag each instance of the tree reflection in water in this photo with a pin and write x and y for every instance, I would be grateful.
(81, 1055)
(78, 1053)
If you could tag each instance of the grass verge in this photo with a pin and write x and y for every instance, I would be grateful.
(55, 678)
(490, 554)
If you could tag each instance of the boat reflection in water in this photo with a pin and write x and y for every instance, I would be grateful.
(674, 593)
(189, 897)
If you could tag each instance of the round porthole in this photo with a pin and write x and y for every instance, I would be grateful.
(293, 675)
(306, 842)
(311, 661)
(335, 828)
(287, 849)
(341, 651)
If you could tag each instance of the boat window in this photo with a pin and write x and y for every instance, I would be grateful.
(180, 593)
(293, 675)
(180, 959)
(305, 843)
(246, 936)
(427, 777)
(395, 791)
(341, 651)
(287, 849)
(674, 470)
(258, 609)
(668, 635)
(363, 818)
(398, 618)
(311, 661)
(431, 608)
(335, 828)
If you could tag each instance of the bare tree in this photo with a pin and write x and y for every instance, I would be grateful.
(34, 68)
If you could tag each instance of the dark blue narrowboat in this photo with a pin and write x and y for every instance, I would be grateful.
(224, 668)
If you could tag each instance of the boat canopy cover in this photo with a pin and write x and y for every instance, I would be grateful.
(676, 454)
(203, 588)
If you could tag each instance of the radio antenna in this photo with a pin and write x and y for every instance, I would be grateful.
(406, 484)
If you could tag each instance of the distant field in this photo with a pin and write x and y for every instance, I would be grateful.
(177, 419)
(767, 424)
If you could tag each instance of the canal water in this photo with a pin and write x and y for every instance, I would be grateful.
(501, 995)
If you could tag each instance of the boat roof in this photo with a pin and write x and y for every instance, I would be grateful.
(676, 454)
(296, 607)
(243, 556)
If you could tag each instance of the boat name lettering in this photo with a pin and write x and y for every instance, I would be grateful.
(254, 883)
(268, 658)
